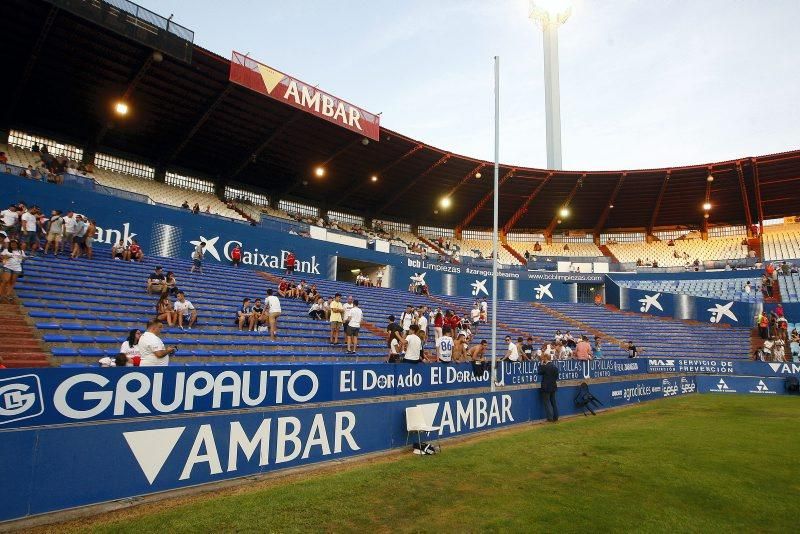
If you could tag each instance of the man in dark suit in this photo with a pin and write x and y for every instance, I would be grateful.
(549, 372)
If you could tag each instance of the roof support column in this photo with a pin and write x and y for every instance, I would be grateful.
(548, 233)
(745, 197)
(523, 208)
(481, 203)
(657, 207)
(601, 222)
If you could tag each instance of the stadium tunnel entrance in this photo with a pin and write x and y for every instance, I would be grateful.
(591, 293)
(347, 270)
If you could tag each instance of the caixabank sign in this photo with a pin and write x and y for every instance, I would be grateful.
(47, 466)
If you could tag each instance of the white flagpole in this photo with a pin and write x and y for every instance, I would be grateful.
(493, 376)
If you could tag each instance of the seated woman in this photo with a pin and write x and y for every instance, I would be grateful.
(316, 312)
(172, 283)
(165, 311)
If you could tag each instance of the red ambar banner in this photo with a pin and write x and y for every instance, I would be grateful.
(280, 86)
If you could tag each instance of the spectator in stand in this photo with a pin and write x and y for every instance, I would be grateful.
(79, 241)
(236, 256)
(172, 283)
(197, 257)
(379, 278)
(597, 350)
(185, 205)
(528, 349)
(766, 283)
(549, 372)
(312, 295)
(259, 318)
(512, 351)
(196, 208)
(438, 326)
(475, 315)
(91, 232)
(748, 288)
(208, 208)
(583, 350)
(352, 319)
(10, 219)
(151, 348)
(70, 229)
(477, 353)
(407, 318)
(316, 311)
(130, 349)
(3, 158)
(336, 318)
(283, 288)
(55, 233)
(118, 250)
(157, 281)
(244, 314)
(290, 263)
(422, 324)
(185, 312)
(29, 230)
(12, 258)
(394, 332)
(273, 305)
(460, 347)
(444, 346)
(165, 310)
(633, 350)
(413, 346)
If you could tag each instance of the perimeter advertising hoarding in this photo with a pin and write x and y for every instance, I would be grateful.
(275, 84)
(39, 397)
(58, 467)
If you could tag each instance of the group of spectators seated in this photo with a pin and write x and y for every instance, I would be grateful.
(28, 227)
(196, 208)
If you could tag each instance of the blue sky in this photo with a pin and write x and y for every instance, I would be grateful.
(645, 83)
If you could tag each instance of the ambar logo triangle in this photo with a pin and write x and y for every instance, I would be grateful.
(151, 448)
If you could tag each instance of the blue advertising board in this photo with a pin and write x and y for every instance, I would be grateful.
(36, 397)
(680, 306)
(127, 458)
(746, 385)
(721, 366)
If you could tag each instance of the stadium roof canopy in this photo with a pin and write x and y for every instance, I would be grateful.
(63, 73)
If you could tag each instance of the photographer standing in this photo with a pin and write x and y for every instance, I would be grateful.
(151, 348)
(549, 372)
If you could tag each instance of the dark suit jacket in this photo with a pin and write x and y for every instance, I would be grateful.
(549, 372)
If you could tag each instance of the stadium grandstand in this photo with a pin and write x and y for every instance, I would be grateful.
(160, 168)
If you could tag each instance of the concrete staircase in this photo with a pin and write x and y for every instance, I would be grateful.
(21, 346)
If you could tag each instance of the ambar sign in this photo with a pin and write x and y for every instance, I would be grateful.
(280, 86)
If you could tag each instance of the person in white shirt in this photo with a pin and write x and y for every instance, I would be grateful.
(197, 257)
(444, 346)
(395, 353)
(273, 306)
(379, 278)
(475, 316)
(422, 323)
(413, 346)
(12, 258)
(152, 349)
(512, 352)
(29, 230)
(748, 288)
(186, 311)
(9, 218)
(130, 349)
(407, 319)
(352, 318)
(484, 306)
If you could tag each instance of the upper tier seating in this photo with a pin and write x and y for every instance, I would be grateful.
(583, 250)
(725, 288)
(782, 243)
(716, 248)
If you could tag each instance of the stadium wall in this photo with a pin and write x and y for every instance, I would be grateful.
(76, 437)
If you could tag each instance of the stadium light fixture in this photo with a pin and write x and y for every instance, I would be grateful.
(121, 108)
(445, 202)
(706, 206)
(710, 177)
(563, 212)
(477, 175)
(374, 178)
(549, 15)
(319, 172)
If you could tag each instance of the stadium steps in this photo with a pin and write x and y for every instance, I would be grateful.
(607, 252)
(21, 346)
(776, 292)
(520, 258)
(578, 324)
(434, 246)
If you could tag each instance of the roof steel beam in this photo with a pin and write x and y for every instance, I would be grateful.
(704, 223)
(351, 186)
(601, 222)
(294, 185)
(523, 208)
(757, 182)
(465, 179)
(22, 81)
(411, 184)
(482, 202)
(550, 227)
(264, 144)
(657, 207)
(745, 197)
(197, 125)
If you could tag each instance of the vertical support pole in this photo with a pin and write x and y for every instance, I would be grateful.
(552, 94)
(494, 377)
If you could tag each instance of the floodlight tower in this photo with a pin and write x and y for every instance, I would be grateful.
(549, 15)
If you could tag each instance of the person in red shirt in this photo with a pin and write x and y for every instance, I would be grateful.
(453, 321)
(236, 256)
(438, 323)
(134, 252)
(290, 262)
